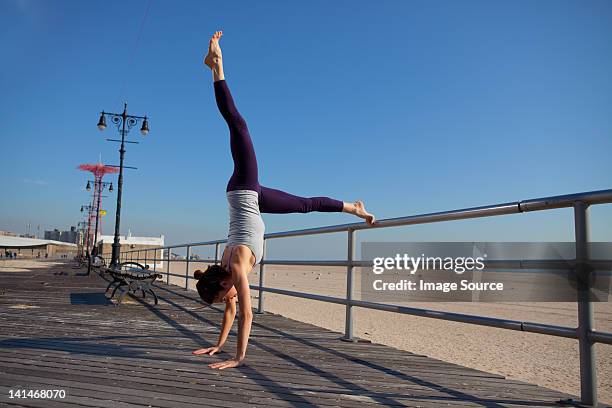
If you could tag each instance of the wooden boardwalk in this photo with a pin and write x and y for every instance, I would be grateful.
(58, 331)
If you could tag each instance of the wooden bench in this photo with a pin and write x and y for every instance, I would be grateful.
(135, 277)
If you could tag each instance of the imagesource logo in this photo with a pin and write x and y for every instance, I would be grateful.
(483, 272)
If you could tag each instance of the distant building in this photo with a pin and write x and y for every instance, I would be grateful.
(54, 235)
(63, 236)
(36, 248)
(129, 243)
(7, 234)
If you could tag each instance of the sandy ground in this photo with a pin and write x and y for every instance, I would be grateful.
(539, 359)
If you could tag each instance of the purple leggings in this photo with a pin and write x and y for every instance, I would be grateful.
(245, 166)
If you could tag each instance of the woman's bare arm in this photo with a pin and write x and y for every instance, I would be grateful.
(228, 320)
(246, 315)
(241, 266)
(226, 326)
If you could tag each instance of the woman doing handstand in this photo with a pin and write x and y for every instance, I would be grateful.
(247, 200)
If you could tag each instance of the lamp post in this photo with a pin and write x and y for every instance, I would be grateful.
(99, 185)
(87, 238)
(124, 123)
(81, 241)
(98, 170)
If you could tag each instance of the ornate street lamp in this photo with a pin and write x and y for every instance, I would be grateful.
(98, 170)
(124, 123)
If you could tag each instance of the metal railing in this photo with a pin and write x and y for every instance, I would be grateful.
(585, 333)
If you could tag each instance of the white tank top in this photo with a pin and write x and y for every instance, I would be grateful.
(246, 227)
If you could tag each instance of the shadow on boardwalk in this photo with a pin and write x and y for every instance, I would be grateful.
(58, 332)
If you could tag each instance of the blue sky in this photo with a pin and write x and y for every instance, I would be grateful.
(411, 106)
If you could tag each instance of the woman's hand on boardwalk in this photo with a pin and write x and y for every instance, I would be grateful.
(234, 362)
(210, 351)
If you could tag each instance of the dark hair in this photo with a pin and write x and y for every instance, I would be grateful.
(209, 282)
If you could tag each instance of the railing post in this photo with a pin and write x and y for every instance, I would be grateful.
(168, 270)
(187, 268)
(216, 253)
(155, 260)
(348, 325)
(262, 268)
(588, 374)
(146, 251)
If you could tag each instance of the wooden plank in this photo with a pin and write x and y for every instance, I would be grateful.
(134, 396)
(198, 363)
(201, 372)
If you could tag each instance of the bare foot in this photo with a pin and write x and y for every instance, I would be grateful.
(360, 211)
(213, 58)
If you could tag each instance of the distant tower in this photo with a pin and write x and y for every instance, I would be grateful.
(93, 220)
